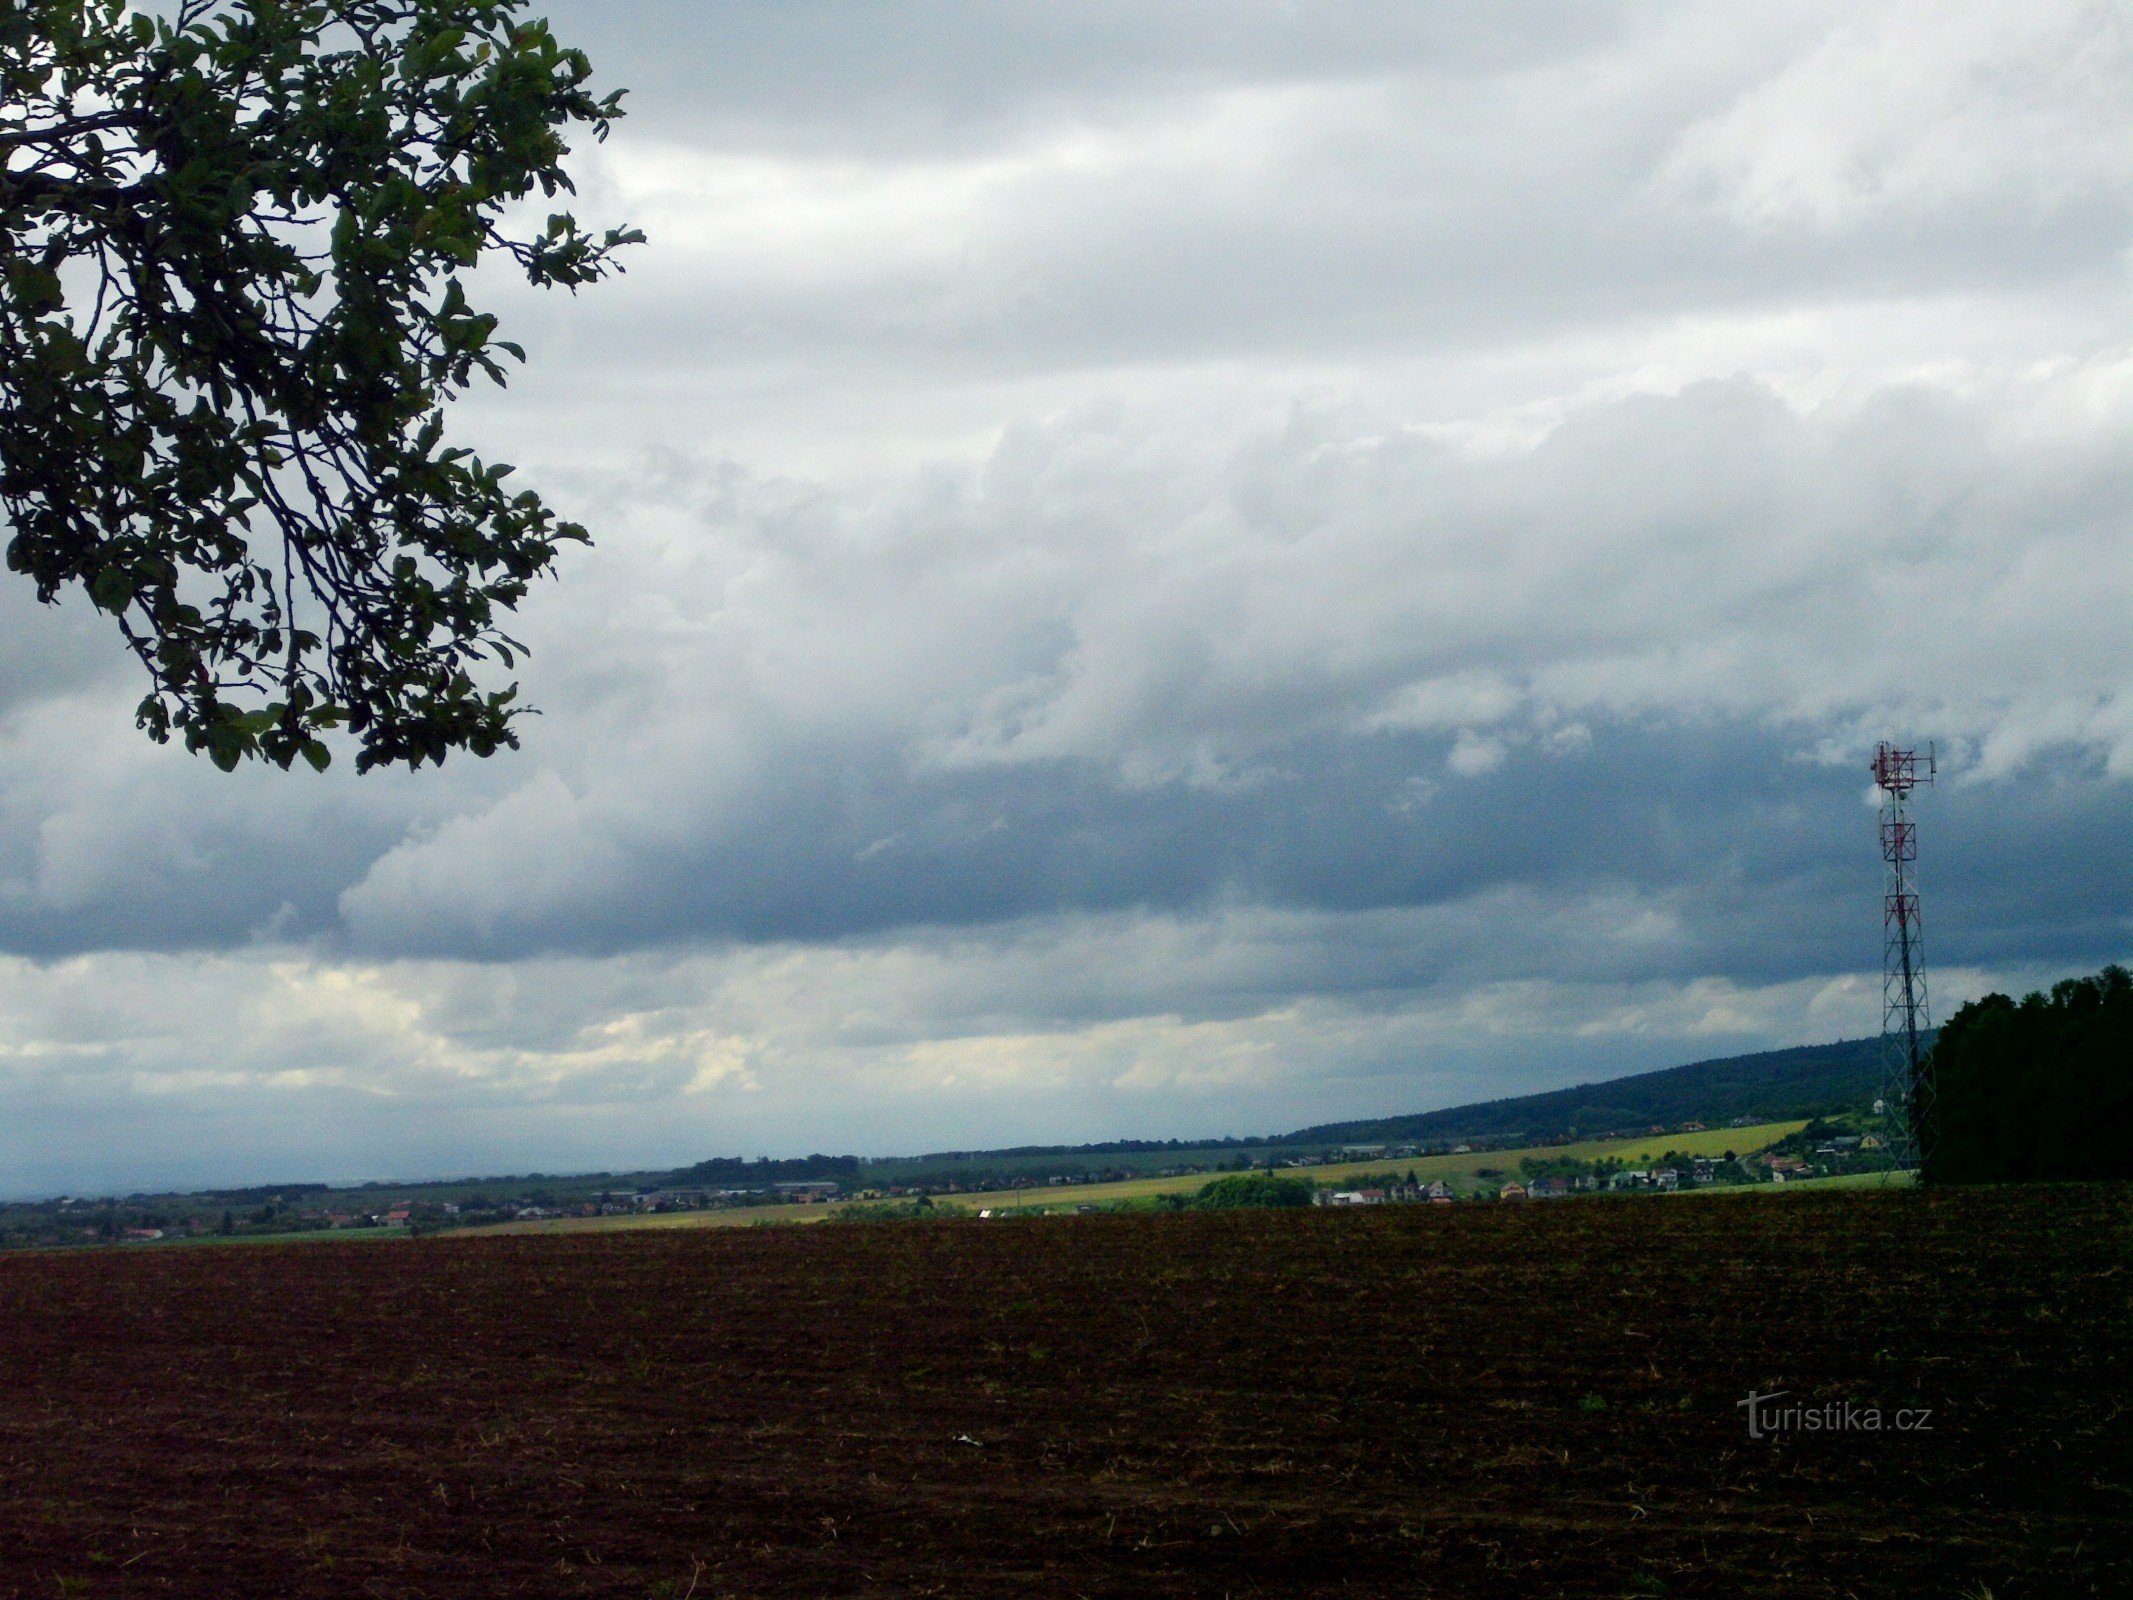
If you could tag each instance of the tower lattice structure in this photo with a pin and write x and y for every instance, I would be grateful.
(1906, 1014)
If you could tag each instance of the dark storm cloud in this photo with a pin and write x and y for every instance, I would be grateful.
(1763, 866)
(164, 860)
(1349, 675)
(1110, 671)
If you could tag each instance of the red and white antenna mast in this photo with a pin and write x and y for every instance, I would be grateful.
(1906, 1066)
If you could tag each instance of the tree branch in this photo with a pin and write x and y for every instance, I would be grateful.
(9, 138)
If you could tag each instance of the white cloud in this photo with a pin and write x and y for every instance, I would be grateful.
(1473, 754)
(1916, 108)
(1454, 701)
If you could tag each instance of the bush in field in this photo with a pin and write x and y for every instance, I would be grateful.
(2042, 1088)
(1245, 1190)
(920, 1210)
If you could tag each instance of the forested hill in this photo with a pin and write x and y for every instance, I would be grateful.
(1770, 1086)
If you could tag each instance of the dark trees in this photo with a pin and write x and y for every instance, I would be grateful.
(233, 242)
(1251, 1190)
(2042, 1088)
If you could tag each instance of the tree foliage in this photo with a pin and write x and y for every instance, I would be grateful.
(1252, 1190)
(235, 239)
(2042, 1088)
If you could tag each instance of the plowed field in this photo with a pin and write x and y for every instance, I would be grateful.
(1509, 1400)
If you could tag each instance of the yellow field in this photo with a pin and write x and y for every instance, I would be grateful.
(1459, 1170)
(1711, 1142)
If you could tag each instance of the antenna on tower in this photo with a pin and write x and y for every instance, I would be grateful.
(1906, 1068)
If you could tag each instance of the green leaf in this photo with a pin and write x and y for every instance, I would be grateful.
(113, 589)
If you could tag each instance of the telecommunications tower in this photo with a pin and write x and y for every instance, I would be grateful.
(1906, 1072)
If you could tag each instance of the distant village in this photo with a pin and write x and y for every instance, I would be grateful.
(1822, 1149)
(1839, 1154)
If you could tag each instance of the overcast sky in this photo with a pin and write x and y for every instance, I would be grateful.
(1179, 569)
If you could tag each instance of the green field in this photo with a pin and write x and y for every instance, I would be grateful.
(1462, 1172)
(1845, 1180)
(722, 1217)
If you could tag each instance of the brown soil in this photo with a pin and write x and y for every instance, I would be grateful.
(1509, 1401)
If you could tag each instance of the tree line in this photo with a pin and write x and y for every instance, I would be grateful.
(2039, 1088)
